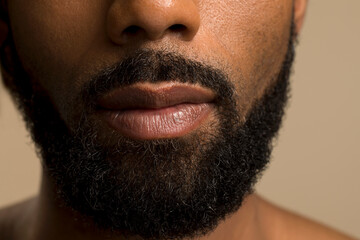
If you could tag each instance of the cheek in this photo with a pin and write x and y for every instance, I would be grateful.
(51, 36)
(253, 36)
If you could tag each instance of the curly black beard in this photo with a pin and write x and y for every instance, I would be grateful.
(156, 189)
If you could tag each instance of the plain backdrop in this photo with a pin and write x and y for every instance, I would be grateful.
(316, 162)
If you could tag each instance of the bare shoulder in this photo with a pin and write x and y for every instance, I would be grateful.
(14, 217)
(292, 226)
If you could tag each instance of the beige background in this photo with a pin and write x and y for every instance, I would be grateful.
(316, 163)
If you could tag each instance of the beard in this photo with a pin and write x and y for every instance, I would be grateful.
(156, 189)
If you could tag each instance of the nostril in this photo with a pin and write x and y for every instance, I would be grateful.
(132, 30)
(136, 31)
(177, 28)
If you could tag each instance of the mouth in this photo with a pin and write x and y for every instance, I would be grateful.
(147, 111)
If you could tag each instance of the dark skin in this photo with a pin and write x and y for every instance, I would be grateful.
(252, 32)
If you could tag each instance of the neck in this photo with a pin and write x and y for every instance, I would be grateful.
(53, 221)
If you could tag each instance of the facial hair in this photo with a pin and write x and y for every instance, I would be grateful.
(156, 189)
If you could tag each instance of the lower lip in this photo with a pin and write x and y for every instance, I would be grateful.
(169, 122)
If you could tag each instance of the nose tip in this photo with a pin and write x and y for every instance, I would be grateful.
(131, 20)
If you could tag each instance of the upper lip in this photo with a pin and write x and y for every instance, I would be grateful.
(154, 96)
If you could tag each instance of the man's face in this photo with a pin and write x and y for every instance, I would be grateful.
(153, 117)
(63, 43)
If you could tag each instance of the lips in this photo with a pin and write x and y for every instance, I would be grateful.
(153, 111)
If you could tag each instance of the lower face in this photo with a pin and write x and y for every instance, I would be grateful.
(155, 172)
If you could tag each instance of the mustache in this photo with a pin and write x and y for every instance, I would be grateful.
(155, 67)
